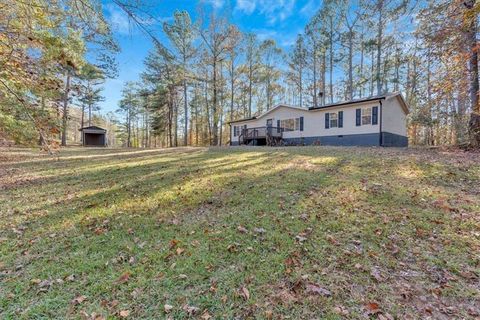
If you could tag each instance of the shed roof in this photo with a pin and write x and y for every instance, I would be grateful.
(92, 128)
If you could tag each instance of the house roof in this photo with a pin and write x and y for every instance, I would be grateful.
(269, 111)
(385, 96)
(92, 128)
(368, 99)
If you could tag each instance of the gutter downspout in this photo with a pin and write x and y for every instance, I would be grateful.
(380, 122)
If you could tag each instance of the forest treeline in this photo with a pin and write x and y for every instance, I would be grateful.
(210, 72)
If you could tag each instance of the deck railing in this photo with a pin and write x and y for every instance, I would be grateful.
(260, 133)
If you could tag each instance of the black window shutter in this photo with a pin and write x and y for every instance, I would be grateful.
(327, 120)
(375, 115)
(278, 126)
(234, 131)
(301, 123)
(340, 119)
(358, 117)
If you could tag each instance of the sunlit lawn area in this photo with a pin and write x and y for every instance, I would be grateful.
(264, 233)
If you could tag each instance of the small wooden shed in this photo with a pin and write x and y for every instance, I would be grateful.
(94, 136)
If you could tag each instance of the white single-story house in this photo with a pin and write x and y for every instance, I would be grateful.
(373, 121)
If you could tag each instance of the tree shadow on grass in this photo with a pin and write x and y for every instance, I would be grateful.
(209, 179)
(199, 201)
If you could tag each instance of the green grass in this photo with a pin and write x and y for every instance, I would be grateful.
(135, 230)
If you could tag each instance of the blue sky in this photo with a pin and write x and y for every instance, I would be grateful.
(280, 20)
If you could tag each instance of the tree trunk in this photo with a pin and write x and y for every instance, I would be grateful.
(331, 59)
(350, 67)
(207, 106)
(362, 49)
(250, 80)
(471, 37)
(215, 102)
(232, 88)
(324, 64)
(175, 119)
(379, 45)
(170, 118)
(315, 103)
(185, 110)
(65, 111)
(129, 128)
(372, 72)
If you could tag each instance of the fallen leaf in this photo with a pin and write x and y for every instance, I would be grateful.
(372, 308)
(180, 251)
(385, 316)
(300, 238)
(375, 273)
(332, 240)
(244, 293)
(78, 300)
(269, 314)
(259, 230)
(136, 293)
(45, 284)
(124, 277)
(315, 289)
(242, 229)
(232, 247)
(195, 243)
(191, 310)
(124, 313)
(173, 243)
(341, 310)
(167, 308)
(206, 315)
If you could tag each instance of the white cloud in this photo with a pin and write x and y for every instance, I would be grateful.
(273, 10)
(118, 20)
(246, 6)
(264, 34)
(283, 39)
(310, 8)
(217, 4)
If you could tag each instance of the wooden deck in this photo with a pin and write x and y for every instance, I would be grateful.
(270, 136)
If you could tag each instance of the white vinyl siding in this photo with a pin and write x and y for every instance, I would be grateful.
(393, 117)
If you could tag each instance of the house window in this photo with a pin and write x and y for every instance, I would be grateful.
(290, 124)
(366, 116)
(333, 120)
(236, 131)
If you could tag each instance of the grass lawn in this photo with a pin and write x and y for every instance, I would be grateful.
(239, 233)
